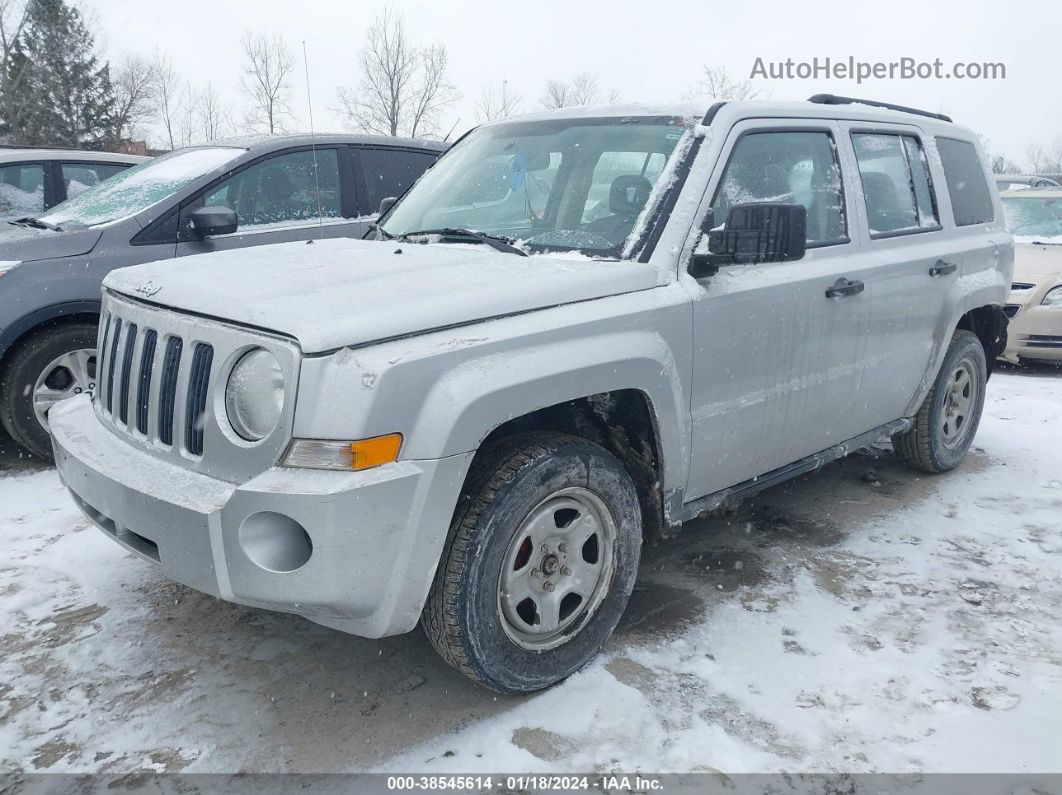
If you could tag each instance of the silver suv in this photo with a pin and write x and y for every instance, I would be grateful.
(579, 329)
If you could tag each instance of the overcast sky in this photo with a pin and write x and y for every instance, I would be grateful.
(647, 51)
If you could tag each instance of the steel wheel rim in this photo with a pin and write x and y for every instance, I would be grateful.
(72, 373)
(568, 541)
(960, 403)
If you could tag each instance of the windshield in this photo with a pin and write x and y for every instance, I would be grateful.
(1037, 216)
(137, 188)
(558, 184)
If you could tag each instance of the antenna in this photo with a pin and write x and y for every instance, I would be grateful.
(313, 142)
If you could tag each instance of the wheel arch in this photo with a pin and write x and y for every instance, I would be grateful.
(66, 312)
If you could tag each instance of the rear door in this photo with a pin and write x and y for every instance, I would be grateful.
(384, 172)
(297, 194)
(778, 363)
(914, 263)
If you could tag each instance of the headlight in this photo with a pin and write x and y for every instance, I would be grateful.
(1053, 297)
(254, 395)
(7, 265)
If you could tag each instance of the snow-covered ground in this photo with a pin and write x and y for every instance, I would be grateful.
(863, 618)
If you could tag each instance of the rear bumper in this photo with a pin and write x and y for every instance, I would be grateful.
(376, 536)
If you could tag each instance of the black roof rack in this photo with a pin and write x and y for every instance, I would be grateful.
(833, 99)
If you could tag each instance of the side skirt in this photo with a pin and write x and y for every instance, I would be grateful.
(716, 500)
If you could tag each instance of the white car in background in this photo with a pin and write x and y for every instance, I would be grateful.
(1034, 217)
(35, 180)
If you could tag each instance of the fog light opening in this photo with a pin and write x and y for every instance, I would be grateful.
(275, 542)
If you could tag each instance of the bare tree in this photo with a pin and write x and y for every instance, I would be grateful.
(267, 81)
(212, 121)
(582, 89)
(717, 84)
(1037, 157)
(494, 106)
(135, 86)
(402, 87)
(170, 97)
(557, 94)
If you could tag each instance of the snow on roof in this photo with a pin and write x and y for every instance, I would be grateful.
(321, 139)
(18, 155)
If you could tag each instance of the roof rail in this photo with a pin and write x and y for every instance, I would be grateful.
(833, 99)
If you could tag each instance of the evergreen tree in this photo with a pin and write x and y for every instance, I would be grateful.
(57, 91)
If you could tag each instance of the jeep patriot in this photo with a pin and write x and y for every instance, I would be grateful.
(578, 329)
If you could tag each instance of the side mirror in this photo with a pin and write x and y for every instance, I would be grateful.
(759, 232)
(214, 220)
(387, 204)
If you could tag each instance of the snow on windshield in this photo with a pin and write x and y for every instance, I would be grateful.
(1034, 215)
(138, 188)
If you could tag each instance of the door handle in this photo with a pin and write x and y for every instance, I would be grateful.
(942, 267)
(843, 287)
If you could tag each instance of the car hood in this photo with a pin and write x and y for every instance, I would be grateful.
(337, 293)
(26, 244)
(1036, 262)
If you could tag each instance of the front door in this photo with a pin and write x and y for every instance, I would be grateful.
(293, 195)
(778, 363)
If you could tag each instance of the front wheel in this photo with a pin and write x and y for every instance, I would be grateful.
(945, 425)
(540, 563)
(50, 365)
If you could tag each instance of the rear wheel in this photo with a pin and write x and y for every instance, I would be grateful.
(540, 563)
(945, 425)
(50, 365)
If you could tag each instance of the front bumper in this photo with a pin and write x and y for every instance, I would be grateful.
(376, 535)
(1035, 332)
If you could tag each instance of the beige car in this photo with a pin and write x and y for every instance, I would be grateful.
(1034, 216)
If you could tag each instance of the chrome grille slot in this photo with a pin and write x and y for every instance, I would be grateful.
(143, 391)
(101, 354)
(112, 356)
(171, 366)
(127, 366)
(198, 384)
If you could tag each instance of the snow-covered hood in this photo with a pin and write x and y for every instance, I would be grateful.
(1035, 262)
(26, 244)
(336, 293)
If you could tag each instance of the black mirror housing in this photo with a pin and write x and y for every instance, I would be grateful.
(214, 220)
(756, 232)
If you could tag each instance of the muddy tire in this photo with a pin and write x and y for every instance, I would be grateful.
(539, 565)
(52, 363)
(946, 424)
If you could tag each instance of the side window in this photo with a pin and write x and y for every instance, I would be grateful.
(78, 177)
(794, 167)
(971, 203)
(282, 190)
(388, 172)
(897, 189)
(639, 170)
(21, 190)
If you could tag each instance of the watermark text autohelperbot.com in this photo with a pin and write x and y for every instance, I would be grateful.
(851, 68)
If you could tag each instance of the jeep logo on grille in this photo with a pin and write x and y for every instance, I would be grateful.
(148, 289)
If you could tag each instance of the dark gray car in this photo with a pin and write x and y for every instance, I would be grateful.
(224, 195)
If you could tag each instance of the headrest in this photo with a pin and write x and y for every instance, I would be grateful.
(629, 194)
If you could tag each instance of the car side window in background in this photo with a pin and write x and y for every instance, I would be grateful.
(897, 188)
(388, 172)
(78, 177)
(282, 190)
(792, 167)
(971, 203)
(21, 190)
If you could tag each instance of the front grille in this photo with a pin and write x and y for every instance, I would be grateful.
(129, 356)
(1010, 310)
(158, 370)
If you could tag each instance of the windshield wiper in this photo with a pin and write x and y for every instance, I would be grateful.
(1045, 243)
(37, 223)
(496, 242)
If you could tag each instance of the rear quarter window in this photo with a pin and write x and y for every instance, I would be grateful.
(971, 202)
